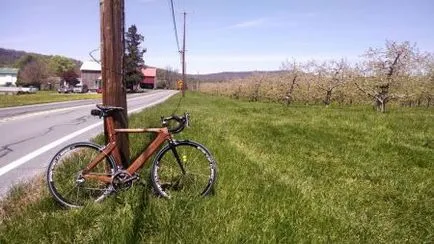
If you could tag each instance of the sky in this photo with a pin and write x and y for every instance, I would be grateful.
(223, 35)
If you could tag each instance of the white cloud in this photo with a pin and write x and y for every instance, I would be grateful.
(268, 22)
(249, 24)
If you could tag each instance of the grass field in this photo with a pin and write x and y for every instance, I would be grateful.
(286, 174)
(42, 97)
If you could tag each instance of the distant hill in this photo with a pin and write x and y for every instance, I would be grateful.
(9, 57)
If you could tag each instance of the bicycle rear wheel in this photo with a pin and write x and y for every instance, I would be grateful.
(184, 168)
(65, 181)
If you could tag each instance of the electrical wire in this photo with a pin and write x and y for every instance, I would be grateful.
(174, 24)
(177, 106)
(177, 44)
(94, 59)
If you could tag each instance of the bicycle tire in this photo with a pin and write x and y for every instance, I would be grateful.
(63, 175)
(200, 170)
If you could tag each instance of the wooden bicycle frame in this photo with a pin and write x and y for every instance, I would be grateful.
(163, 135)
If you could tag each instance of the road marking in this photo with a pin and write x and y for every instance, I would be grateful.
(63, 102)
(62, 109)
(44, 104)
(28, 157)
(42, 113)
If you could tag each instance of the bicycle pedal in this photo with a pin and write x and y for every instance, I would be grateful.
(134, 177)
(110, 190)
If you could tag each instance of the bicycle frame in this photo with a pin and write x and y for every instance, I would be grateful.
(163, 135)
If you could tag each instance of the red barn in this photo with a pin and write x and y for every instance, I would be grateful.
(149, 80)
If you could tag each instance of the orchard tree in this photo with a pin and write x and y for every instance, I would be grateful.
(332, 74)
(133, 58)
(426, 84)
(293, 71)
(384, 70)
(256, 80)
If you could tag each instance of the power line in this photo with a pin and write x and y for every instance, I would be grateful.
(174, 25)
(183, 58)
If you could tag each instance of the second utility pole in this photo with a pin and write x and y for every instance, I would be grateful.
(184, 82)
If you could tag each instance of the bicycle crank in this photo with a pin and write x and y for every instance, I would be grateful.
(123, 180)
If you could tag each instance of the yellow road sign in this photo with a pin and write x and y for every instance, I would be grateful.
(179, 84)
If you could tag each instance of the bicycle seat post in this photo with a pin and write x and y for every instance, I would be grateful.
(110, 132)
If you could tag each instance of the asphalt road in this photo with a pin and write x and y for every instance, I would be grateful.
(31, 135)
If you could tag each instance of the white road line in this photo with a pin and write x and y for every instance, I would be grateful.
(55, 103)
(42, 113)
(61, 109)
(44, 104)
(28, 157)
(25, 159)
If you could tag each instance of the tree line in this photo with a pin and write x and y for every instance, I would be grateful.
(398, 72)
(45, 71)
(40, 70)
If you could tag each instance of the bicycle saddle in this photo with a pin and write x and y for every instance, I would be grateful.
(104, 110)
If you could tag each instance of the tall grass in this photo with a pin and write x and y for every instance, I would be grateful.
(286, 174)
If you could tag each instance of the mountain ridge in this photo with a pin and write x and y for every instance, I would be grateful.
(9, 58)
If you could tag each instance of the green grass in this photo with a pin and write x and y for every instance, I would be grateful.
(42, 97)
(286, 174)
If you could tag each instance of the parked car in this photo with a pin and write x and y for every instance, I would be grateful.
(64, 89)
(32, 89)
(80, 89)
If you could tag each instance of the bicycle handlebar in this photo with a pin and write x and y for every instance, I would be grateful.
(180, 122)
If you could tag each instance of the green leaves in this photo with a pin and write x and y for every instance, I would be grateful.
(133, 57)
(61, 65)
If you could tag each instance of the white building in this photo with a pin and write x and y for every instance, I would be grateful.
(8, 76)
(91, 75)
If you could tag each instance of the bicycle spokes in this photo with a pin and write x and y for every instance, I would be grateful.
(184, 169)
(67, 183)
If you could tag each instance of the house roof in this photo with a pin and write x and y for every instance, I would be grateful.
(90, 66)
(8, 71)
(149, 72)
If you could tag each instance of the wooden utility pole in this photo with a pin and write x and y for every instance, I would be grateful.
(184, 81)
(112, 56)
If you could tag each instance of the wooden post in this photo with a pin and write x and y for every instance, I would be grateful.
(112, 55)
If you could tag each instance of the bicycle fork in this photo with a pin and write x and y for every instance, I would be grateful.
(178, 159)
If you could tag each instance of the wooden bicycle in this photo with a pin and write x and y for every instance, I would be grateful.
(85, 172)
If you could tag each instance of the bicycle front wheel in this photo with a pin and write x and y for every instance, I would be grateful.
(65, 181)
(184, 168)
